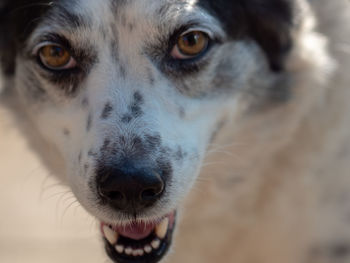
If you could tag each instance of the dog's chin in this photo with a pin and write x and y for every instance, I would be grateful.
(139, 241)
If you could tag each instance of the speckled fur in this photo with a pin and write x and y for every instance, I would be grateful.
(273, 185)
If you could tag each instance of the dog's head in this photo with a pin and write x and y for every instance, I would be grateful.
(123, 97)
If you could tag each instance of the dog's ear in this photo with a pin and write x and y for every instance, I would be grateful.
(270, 23)
(17, 20)
(6, 49)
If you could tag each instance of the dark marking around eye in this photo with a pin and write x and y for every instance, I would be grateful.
(107, 110)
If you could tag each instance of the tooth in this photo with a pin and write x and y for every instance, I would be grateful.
(140, 252)
(148, 249)
(155, 243)
(110, 235)
(119, 248)
(135, 253)
(162, 228)
(128, 251)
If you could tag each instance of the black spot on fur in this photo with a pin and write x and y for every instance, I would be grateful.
(88, 122)
(138, 97)
(182, 112)
(138, 148)
(126, 118)
(66, 132)
(150, 76)
(179, 154)
(122, 71)
(79, 156)
(85, 102)
(107, 110)
(114, 50)
(131, 27)
(86, 167)
(135, 107)
(153, 141)
(105, 146)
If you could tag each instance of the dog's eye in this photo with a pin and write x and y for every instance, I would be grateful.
(190, 45)
(56, 57)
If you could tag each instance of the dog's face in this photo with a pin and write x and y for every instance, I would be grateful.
(129, 95)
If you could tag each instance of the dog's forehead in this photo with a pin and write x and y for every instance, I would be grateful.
(107, 12)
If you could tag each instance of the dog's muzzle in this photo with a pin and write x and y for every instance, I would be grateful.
(132, 191)
(139, 242)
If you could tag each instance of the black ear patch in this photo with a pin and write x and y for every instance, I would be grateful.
(18, 18)
(268, 22)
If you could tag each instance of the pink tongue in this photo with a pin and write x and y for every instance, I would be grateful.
(136, 231)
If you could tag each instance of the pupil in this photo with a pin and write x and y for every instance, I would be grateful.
(57, 51)
(191, 40)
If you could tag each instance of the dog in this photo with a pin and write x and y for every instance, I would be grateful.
(224, 123)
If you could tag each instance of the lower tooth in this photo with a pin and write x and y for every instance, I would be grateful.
(110, 235)
(135, 253)
(119, 248)
(155, 243)
(128, 251)
(139, 252)
(148, 249)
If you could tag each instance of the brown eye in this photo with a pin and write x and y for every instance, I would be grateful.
(191, 44)
(56, 57)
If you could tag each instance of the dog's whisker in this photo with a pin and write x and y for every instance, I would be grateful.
(67, 208)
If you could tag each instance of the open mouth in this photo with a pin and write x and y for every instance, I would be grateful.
(139, 242)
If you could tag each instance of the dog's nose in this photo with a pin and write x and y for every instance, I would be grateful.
(129, 190)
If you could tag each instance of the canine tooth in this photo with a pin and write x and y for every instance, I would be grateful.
(155, 243)
(162, 228)
(110, 235)
(128, 251)
(148, 249)
(119, 248)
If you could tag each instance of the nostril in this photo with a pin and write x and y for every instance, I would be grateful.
(149, 194)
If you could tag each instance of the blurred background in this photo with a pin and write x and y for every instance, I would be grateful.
(40, 221)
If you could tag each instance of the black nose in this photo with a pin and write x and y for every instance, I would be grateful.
(128, 189)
